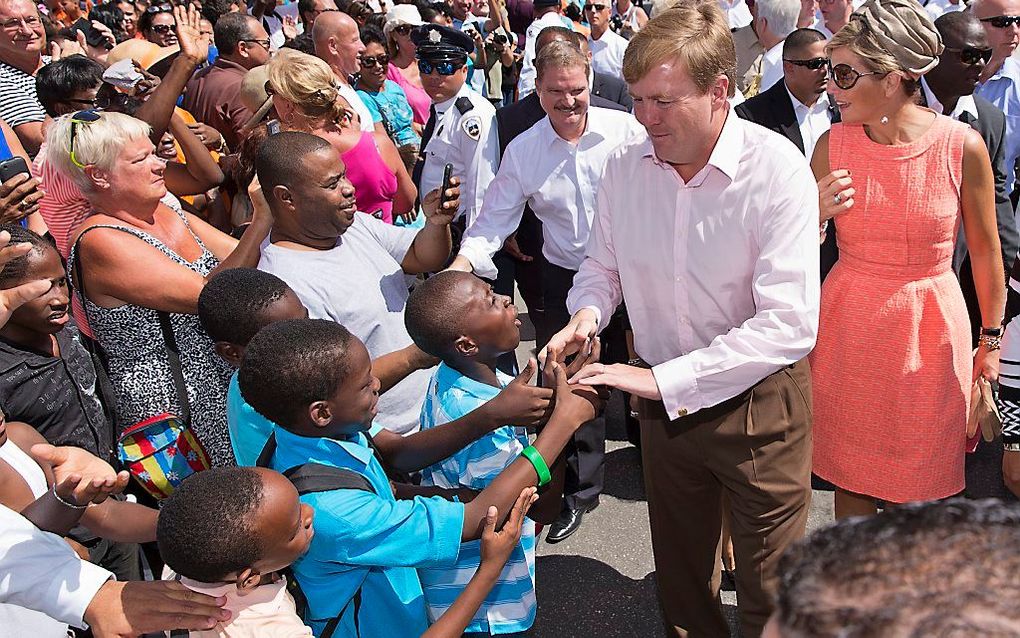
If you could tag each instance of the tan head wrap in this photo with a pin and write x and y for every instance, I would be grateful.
(903, 29)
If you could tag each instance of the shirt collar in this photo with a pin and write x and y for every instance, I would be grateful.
(965, 104)
(442, 107)
(322, 448)
(728, 149)
(775, 54)
(552, 137)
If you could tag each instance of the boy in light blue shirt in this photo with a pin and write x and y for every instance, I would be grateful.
(456, 317)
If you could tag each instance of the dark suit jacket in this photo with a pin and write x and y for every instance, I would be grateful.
(514, 119)
(774, 110)
(613, 89)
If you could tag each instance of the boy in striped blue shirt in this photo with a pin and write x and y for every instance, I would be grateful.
(456, 317)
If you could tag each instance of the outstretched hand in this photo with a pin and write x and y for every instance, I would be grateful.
(194, 46)
(440, 212)
(497, 546)
(520, 403)
(93, 479)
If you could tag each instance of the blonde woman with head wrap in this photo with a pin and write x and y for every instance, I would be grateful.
(893, 366)
(307, 99)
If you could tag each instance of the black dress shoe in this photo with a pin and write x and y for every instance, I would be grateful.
(567, 523)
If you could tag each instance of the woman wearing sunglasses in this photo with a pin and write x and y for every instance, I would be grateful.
(306, 99)
(893, 367)
(140, 265)
(157, 25)
(403, 67)
(385, 98)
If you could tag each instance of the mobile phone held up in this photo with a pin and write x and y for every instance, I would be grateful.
(11, 167)
(447, 176)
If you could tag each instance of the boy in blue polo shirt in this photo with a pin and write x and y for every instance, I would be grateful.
(314, 380)
(456, 317)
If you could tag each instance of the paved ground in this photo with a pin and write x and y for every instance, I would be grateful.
(601, 581)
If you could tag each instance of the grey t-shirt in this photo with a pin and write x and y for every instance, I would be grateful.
(360, 284)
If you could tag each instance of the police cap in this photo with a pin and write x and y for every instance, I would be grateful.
(438, 43)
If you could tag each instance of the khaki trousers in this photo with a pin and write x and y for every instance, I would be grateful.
(756, 448)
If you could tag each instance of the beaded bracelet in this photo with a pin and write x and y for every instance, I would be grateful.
(67, 503)
(533, 455)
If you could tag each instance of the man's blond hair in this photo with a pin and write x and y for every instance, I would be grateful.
(694, 33)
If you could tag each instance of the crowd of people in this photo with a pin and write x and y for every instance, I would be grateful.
(258, 338)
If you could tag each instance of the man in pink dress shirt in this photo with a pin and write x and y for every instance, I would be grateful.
(707, 226)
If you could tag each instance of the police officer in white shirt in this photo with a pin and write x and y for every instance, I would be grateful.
(461, 129)
(607, 46)
(555, 167)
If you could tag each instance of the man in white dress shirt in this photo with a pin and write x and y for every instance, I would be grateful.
(707, 226)
(555, 167)
(607, 46)
(774, 20)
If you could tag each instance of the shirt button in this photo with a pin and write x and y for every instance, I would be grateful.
(681, 412)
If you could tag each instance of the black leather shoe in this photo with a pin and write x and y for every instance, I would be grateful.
(567, 523)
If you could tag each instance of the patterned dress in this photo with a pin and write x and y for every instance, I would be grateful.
(891, 372)
(139, 368)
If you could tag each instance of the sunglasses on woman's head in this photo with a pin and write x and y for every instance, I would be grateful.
(814, 63)
(80, 118)
(442, 68)
(973, 55)
(159, 8)
(845, 76)
(1001, 22)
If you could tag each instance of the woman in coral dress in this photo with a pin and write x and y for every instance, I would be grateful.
(893, 368)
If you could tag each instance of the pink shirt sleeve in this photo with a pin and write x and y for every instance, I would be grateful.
(416, 96)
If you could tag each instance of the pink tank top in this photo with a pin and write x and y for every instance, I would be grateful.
(416, 96)
(375, 185)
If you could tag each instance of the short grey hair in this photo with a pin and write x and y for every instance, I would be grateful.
(781, 15)
(560, 55)
(97, 143)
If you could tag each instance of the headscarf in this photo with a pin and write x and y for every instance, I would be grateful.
(904, 30)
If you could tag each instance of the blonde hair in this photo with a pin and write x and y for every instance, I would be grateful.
(307, 82)
(858, 38)
(97, 143)
(694, 33)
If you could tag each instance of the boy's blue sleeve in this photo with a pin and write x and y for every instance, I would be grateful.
(359, 528)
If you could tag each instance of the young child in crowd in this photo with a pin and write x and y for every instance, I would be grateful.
(456, 317)
(237, 303)
(313, 379)
(231, 531)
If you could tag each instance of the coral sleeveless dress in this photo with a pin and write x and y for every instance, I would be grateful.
(891, 372)
(375, 185)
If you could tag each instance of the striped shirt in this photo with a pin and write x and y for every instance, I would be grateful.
(19, 103)
(511, 605)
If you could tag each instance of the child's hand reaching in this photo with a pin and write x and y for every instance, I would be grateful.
(497, 546)
(93, 479)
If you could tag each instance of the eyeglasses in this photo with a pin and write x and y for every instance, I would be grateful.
(163, 29)
(32, 22)
(94, 102)
(80, 119)
(404, 29)
(814, 63)
(973, 55)
(1001, 22)
(845, 76)
(595, 7)
(159, 8)
(262, 43)
(368, 61)
(442, 68)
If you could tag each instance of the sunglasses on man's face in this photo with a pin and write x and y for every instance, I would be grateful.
(1001, 22)
(442, 68)
(595, 7)
(973, 55)
(845, 76)
(369, 61)
(814, 63)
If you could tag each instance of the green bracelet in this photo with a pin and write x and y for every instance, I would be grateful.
(533, 455)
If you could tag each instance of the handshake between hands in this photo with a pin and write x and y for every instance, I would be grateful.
(526, 405)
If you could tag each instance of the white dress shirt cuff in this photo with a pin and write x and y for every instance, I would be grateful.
(90, 579)
(595, 310)
(481, 260)
(678, 387)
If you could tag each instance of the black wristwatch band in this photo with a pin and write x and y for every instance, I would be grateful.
(992, 332)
